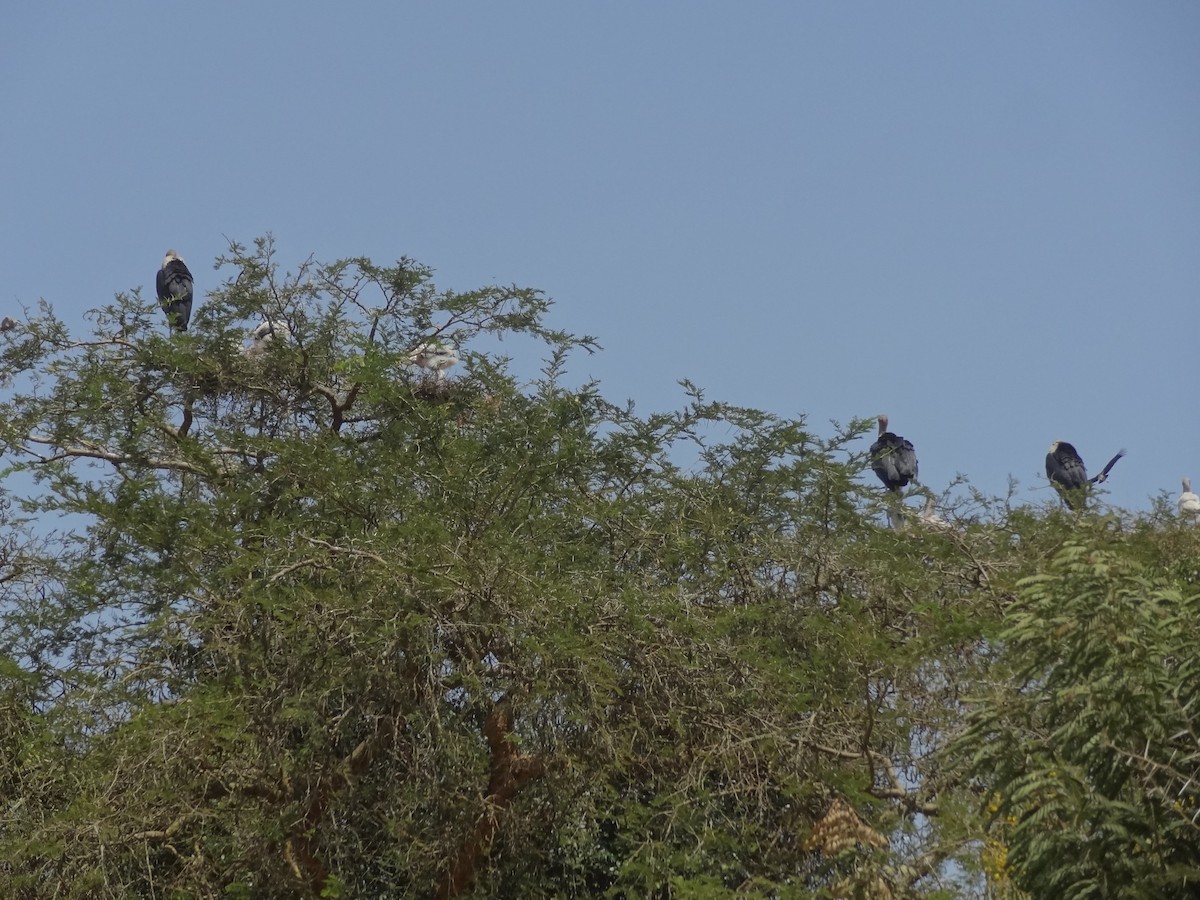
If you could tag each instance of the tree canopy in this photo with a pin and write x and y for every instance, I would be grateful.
(305, 620)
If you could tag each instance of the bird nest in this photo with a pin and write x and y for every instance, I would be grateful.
(433, 390)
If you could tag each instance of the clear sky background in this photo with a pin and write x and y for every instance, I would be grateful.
(982, 219)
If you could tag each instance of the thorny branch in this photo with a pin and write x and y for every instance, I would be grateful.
(897, 790)
(90, 451)
(509, 772)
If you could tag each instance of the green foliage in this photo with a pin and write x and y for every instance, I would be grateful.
(1091, 745)
(312, 624)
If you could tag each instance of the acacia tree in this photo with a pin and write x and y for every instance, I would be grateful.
(313, 624)
(1089, 746)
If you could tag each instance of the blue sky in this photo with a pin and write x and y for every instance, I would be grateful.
(982, 219)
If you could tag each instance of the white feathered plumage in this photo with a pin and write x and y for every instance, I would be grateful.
(928, 516)
(434, 356)
(1189, 503)
(262, 336)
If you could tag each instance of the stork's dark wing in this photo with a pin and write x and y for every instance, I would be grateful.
(1100, 479)
(174, 285)
(893, 460)
(1065, 468)
(174, 281)
(906, 460)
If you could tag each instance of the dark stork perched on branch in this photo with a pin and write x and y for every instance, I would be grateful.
(893, 458)
(174, 285)
(1066, 472)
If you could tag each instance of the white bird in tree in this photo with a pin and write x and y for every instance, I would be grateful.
(928, 516)
(262, 336)
(1189, 503)
(434, 356)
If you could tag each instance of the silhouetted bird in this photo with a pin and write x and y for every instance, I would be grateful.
(1066, 472)
(174, 285)
(893, 458)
